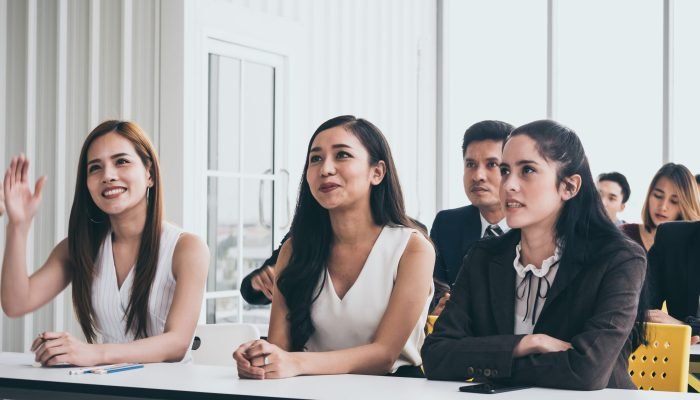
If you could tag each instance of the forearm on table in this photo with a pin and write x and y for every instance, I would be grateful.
(168, 347)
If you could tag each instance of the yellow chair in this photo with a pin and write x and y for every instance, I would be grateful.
(430, 324)
(663, 363)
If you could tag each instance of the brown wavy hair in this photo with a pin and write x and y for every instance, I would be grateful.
(688, 197)
(89, 225)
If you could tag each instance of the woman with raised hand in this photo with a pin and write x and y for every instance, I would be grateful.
(672, 196)
(137, 280)
(354, 281)
(554, 301)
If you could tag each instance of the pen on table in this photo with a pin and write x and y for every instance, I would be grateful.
(103, 371)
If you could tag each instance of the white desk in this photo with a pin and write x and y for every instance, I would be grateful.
(19, 380)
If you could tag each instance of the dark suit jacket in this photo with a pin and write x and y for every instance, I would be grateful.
(592, 304)
(454, 232)
(251, 295)
(674, 268)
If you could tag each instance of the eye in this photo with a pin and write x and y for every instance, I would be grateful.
(658, 196)
(314, 159)
(343, 154)
(492, 164)
(122, 161)
(528, 170)
(674, 202)
(505, 171)
(469, 164)
(92, 168)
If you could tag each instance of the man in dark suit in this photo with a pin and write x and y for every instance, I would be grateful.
(674, 274)
(454, 231)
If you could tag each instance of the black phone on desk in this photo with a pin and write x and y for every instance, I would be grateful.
(490, 388)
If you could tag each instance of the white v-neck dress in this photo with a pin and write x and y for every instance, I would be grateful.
(111, 301)
(353, 321)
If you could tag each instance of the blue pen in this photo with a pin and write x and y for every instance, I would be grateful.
(117, 369)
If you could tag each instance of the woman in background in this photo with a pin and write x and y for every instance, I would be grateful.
(672, 196)
(355, 277)
(137, 281)
(552, 302)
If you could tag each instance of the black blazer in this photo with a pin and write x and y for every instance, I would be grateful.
(674, 268)
(592, 304)
(251, 295)
(454, 232)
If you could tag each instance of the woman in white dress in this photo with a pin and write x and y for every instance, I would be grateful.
(355, 278)
(137, 281)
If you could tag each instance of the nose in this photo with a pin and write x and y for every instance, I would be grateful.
(328, 167)
(109, 174)
(509, 183)
(479, 174)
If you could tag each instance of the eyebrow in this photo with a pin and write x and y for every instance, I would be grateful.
(112, 157)
(521, 162)
(488, 159)
(335, 146)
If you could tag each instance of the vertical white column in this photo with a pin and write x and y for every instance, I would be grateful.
(156, 73)
(60, 154)
(30, 139)
(551, 59)
(127, 52)
(3, 103)
(667, 115)
(94, 68)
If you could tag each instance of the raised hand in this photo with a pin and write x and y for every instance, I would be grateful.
(20, 202)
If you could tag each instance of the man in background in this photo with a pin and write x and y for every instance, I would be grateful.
(455, 231)
(614, 192)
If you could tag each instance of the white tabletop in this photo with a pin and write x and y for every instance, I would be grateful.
(16, 367)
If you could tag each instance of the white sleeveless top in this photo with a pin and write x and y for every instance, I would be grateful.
(353, 321)
(110, 302)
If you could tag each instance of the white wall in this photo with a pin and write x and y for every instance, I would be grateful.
(66, 65)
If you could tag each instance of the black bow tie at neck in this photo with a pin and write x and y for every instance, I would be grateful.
(526, 283)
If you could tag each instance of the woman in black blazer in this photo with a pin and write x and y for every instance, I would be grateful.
(554, 302)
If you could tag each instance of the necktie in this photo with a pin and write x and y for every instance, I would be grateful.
(493, 231)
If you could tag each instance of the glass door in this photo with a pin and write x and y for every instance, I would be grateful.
(247, 202)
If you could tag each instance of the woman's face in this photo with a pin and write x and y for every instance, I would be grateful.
(664, 202)
(116, 177)
(529, 193)
(339, 172)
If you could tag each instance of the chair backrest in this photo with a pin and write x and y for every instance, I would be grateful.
(663, 363)
(215, 344)
(430, 324)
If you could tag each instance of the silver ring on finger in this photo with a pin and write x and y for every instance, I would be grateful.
(266, 360)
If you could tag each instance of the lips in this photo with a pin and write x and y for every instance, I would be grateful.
(660, 216)
(113, 192)
(478, 189)
(328, 187)
(514, 204)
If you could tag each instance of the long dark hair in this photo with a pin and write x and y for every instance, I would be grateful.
(89, 225)
(583, 217)
(311, 233)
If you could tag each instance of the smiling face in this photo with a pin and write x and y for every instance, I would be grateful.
(339, 173)
(482, 176)
(664, 202)
(116, 177)
(529, 192)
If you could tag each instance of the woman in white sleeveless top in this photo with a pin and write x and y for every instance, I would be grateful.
(355, 279)
(137, 281)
